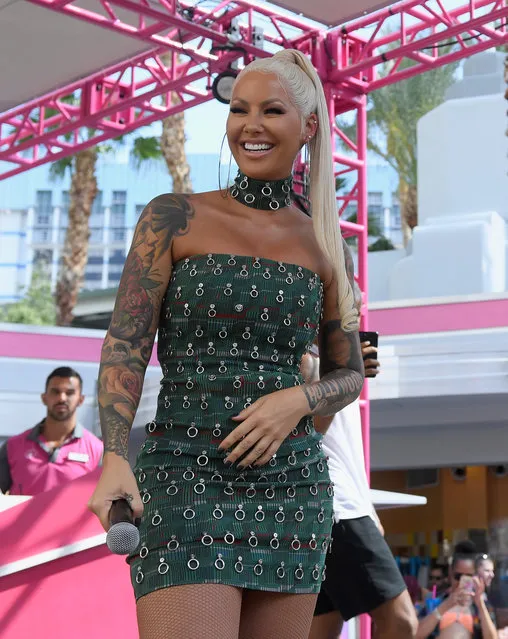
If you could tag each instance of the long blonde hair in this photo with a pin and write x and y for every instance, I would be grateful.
(301, 81)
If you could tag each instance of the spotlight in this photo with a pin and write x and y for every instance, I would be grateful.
(222, 86)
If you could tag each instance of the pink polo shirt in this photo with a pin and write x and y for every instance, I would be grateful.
(34, 468)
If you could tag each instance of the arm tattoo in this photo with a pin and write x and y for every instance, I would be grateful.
(341, 364)
(128, 345)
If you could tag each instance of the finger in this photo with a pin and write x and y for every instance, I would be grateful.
(244, 446)
(101, 511)
(365, 344)
(237, 434)
(256, 452)
(247, 412)
(368, 350)
(270, 452)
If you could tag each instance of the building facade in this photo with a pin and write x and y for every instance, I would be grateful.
(34, 215)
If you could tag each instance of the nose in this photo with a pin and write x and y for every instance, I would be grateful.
(253, 124)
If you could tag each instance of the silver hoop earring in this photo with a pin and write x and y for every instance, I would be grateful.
(223, 193)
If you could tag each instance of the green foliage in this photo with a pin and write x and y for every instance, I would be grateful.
(373, 225)
(145, 151)
(36, 307)
(382, 244)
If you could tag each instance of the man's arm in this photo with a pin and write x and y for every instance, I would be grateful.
(5, 470)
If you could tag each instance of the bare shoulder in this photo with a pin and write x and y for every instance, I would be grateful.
(170, 211)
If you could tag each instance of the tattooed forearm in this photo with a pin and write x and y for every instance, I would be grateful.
(128, 345)
(341, 367)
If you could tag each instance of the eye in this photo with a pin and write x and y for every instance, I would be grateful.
(236, 110)
(275, 110)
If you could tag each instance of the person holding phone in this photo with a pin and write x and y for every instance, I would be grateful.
(361, 573)
(464, 612)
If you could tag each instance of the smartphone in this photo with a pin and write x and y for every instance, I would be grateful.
(467, 584)
(369, 336)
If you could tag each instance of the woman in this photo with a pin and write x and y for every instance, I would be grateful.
(236, 494)
(463, 614)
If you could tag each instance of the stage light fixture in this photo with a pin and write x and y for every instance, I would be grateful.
(222, 86)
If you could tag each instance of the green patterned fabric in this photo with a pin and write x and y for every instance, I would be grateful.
(232, 329)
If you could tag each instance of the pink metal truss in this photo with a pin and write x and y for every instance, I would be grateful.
(136, 93)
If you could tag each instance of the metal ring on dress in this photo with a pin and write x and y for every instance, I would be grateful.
(278, 383)
(275, 356)
(151, 427)
(270, 339)
(244, 272)
(188, 474)
(270, 493)
(258, 568)
(186, 403)
(189, 513)
(264, 315)
(206, 539)
(299, 572)
(219, 563)
(321, 516)
(222, 368)
(199, 332)
(173, 543)
(292, 459)
(281, 571)
(313, 489)
(202, 460)
(240, 513)
(189, 384)
(217, 512)
(274, 541)
(216, 432)
(193, 563)
(223, 333)
(291, 492)
(306, 472)
(156, 519)
(253, 541)
(211, 348)
(273, 461)
(315, 572)
(180, 368)
(141, 477)
(282, 477)
(329, 490)
(280, 515)
(239, 565)
(232, 260)
(260, 515)
(313, 542)
(299, 515)
(146, 498)
(143, 552)
(296, 544)
(192, 432)
(200, 369)
(306, 452)
(200, 488)
(163, 567)
(234, 351)
(229, 538)
(251, 491)
(237, 383)
(193, 272)
(216, 477)
(139, 576)
(173, 489)
(200, 290)
(212, 312)
(266, 190)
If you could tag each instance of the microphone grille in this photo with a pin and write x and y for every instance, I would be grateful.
(122, 538)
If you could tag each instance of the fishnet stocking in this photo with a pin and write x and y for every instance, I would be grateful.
(273, 615)
(197, 611)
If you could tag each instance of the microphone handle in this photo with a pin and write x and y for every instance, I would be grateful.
(120, 511)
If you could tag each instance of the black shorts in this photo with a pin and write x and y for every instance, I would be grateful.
(361, 573)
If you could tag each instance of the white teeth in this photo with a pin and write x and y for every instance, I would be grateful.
(257, 147)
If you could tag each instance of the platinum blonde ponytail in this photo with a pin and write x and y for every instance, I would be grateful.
(301, 81)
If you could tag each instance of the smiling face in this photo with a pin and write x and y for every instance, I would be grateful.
(264, 128)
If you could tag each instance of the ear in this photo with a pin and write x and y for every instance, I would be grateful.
(44, 399)
(81, 399)
(310, 128)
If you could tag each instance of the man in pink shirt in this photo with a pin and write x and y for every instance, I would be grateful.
(56, 450)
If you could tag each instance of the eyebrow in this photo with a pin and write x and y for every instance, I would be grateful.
(264, 103)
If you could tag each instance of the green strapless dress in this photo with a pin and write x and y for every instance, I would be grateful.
(232, 329)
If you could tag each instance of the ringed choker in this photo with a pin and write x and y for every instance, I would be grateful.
(262, 194)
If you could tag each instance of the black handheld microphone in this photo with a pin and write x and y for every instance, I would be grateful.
(123, 536)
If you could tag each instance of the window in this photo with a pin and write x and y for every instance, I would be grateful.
(118, 235)
(117, 257)
(97, 208)
(118, 208)
(95, 259)
(41, 235)
(96, 235)
(375, 206)
(42, 257)
(114, 278)
(66, 198)
(43, 202)
(395, 221)
(93, 277)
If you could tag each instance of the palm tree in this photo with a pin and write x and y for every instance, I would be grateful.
(170, 146)
(83, 191)
(393, 114)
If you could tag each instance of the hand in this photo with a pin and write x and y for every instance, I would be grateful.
(371, 365)
(264, 426)
(117, 481)
(459, 597)
(479, 590)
